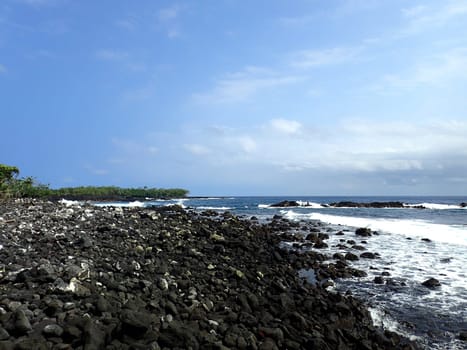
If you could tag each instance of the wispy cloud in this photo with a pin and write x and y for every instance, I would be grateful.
(197, 149)
(289, 127)
(169, 19)
(2, 69)
(244, 84)
(423, 17)
(437, 71)
(122, 58)
(39, 2)
(324, 57)
(247, 144)
(111, 55)
(96, 170)
(169, 13)
(297, 21)
(129, 23)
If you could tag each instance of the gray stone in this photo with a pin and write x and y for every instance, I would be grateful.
(52, 330)
(22, 324)
(4, 335)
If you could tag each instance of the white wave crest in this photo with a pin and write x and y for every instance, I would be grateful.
(455, 234)
(264, 206)
(69, 203)
(121, 204)
(435, 206)
(214, 208)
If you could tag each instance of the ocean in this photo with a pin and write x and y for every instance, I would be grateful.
(413, 245)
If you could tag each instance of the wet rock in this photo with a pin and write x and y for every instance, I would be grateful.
(351, 257)
(368, 255)
(320, 245)
(378, 280)
(463, 335)
(431, 283)
(363, 231)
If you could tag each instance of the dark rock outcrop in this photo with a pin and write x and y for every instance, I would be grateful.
(285, 204)
(348, 204)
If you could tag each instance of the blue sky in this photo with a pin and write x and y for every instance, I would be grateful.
(237, 97)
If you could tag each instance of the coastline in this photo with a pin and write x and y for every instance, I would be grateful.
(123, 278)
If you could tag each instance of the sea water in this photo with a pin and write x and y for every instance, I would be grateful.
(413, 245)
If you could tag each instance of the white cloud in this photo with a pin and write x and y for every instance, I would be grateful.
(286, 126)
(362, 146)
(96, 171)
(111, 55)
(129, 23)
(152, 150)
(197, 149)
(324, 57)
(298, 21)
(247, 144)
(169, 19)
(2, 69)
(435, 71)
(244, 84)
(169, 13)
(421, 18)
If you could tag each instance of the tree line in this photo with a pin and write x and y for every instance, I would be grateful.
(12, 186)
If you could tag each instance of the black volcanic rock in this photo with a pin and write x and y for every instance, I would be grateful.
(363, 231)
(349, 204)
(431, 283)
(151, 278)
(285, 204)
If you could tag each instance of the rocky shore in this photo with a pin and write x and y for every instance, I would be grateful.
(83, 277)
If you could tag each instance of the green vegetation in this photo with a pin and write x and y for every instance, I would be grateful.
(116, 193)
(13, 187)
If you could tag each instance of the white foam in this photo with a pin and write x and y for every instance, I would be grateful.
(309, 204)
(435, 206)
(69, 203)
(121, 204)
(411, 228)
(214, 208)
(382, 319)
